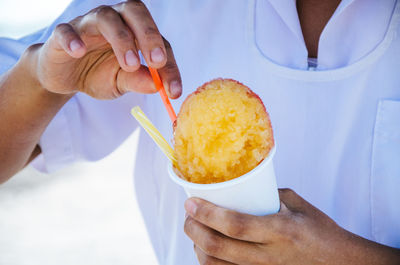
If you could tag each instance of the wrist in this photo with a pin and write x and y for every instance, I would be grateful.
(28, 70)
(364, 251)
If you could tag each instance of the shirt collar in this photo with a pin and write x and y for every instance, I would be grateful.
(288, 12)
(342, 6)
(353, 31)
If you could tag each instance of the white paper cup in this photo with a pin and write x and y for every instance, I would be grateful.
(253, 193)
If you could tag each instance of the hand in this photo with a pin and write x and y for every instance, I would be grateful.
(299, 234)
(97, 54)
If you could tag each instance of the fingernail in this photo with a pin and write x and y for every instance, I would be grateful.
(157, 55)
(74, 45)
(186, 215)
(175, 88)
(190, 206)
(131, 59)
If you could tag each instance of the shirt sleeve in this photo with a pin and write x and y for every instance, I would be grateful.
(86, 129)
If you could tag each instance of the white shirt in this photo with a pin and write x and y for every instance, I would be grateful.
(337, 125)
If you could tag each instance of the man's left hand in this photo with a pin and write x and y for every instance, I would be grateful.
(298, 234)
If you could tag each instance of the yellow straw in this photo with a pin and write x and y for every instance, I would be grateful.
(154, 133)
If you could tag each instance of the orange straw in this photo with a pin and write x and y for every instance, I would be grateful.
(160, 87)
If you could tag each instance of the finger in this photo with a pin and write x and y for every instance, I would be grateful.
(149, 39)
(230, 223)
(120, 37)
(216, 245)
(296, 206)
(205, 259)
(139, 81)
(68, 40)
(170, 75)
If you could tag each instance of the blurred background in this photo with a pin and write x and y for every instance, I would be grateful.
(84, 214)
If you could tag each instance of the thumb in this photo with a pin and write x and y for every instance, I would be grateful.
(139, 81)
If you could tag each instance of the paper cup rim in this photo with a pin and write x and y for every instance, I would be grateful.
(220, 185)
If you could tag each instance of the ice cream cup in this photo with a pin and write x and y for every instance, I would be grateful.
(253, 193)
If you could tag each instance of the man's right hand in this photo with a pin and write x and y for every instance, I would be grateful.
(97, 54)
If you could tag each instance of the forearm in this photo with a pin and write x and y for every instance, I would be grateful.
(26, 108)
(366, 252)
